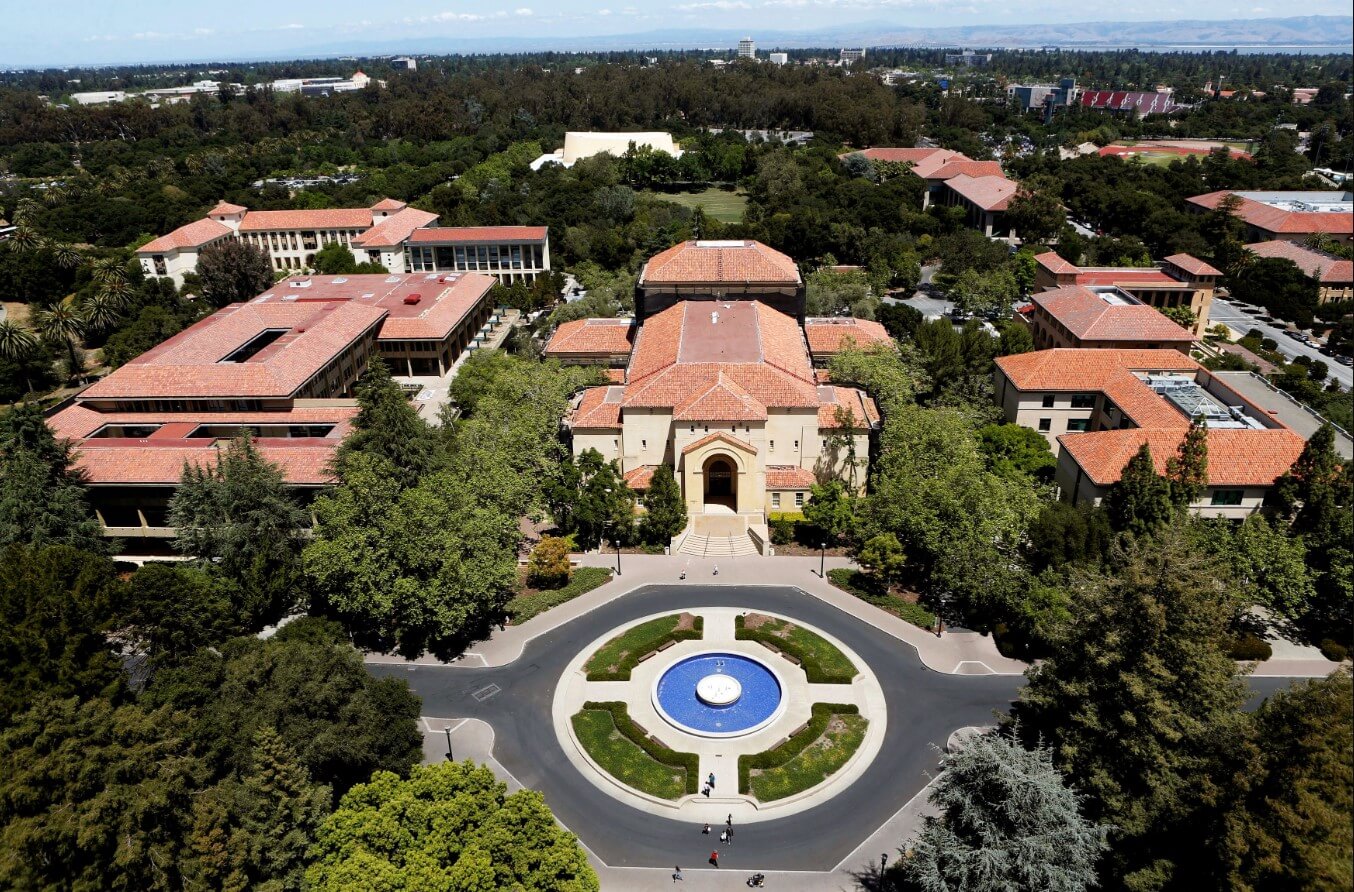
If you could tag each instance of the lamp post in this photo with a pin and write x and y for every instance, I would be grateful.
(822, 557)
(450, 757)
(883, 861)
(615, 540)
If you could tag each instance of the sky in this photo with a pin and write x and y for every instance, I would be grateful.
(68, 32)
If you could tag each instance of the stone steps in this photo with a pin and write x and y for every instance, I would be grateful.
(718, 546)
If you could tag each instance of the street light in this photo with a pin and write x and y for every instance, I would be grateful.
(450, 757)
(822, 556)
(883, 861)
(615, 540)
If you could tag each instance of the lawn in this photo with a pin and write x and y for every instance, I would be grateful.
(624, 759)
(614, 660)
(823, 661)
(808, 758)
(720, 204)
(857, 583)
(533, 602)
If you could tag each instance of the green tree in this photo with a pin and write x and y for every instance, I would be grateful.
(389, 428)
(832, 510)
(334, 259)
(1187, 470)
(548, 566)
(1012, 451)
(42, 501)
(18, 345)
(63, 325)
(1069, 534)
(591, 501)
(1181, 316)
(450, 825)
(1034, 212)
(239, 516)
(1140, 502)
(831, 293)
(1268, 565)
(1007, 821)
(984, 292)
(883, 557)
(173, 610)
(233, 271)
(664, 508)
(1015, 338)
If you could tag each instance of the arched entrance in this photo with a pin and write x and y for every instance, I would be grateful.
(721, 482)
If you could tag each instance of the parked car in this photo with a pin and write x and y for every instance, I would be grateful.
(1252, 310)
(1344, 360)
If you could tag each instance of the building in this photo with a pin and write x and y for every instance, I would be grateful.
(968, 59)
(747, 48)
(779, 58)
(382, 233)
(99, 97)
(1100, 316)
(1334, 276)
(1139, 102)
(323, 86)
(282, 366)
(937, 167)
(511, 253)
(1043, 97)
(1180, 280)
(1288, 216)
(404, 63)
(984, 200)
(718, 383)
(1098, 407)
(850, 57)
(579, 145)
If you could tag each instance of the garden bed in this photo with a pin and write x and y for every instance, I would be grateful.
(823, 661)
(808, 757)
(623, 750)
(532, 602)
(614, 660)
(903, 606)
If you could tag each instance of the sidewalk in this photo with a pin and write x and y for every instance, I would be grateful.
(955, 653)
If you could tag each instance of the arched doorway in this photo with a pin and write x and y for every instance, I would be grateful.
(721, 483)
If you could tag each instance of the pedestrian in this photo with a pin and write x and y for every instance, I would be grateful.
(729, 830)
(729, 820)
(712, 780)
(724, 836)
(716, 569)
(705, 791)
(714, 858)
(706, 831)
(677, 874)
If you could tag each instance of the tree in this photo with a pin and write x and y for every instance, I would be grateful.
(42, 501)
(334, 259)
(1035, 212)
(1181, 316)
(984, 292)
(17, 344)
(1068, 534)
(1280, 286)
(450, 825)
(1013, 451)
(591, 501)
(1015, 338)
(173, 610)
(64, 325)
(1007, 822)
(832, 293)
(1136, 697)
(1187, 470)
(831, 510)
(238, 515)
(548, 566)
(883, 557)
(1268, 565)
(1140, 502)
(664, 508)
(389, 428)
(233, 271)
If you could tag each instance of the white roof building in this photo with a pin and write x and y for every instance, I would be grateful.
(579, 145)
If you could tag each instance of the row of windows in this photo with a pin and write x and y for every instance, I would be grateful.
(462, 258)
(1079, 400)
(775, 500)
(307, 240)
(1074, 425)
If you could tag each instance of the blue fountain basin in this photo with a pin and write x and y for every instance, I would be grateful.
(760, 696)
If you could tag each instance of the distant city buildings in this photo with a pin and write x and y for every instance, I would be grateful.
(968, 59)
(850, 57)
(404, 63)
(1044, 97)
(157, 96)
(1159, 102)
(747, 48)
(1288, 216)
(779, 58)
(579, 145)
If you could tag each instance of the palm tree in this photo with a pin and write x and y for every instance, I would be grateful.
(110, 269)
(66, 256)
(101, 312)
(63, 324)
(24, 237)
(18, 345)
(1244, 260)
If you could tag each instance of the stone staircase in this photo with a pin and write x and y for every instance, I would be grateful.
(717, 546)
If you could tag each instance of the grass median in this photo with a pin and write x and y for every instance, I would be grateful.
(623, 750)
(614, 660)
(808, 758)
(822, 661)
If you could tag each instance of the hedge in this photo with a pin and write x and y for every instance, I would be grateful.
(660, 753)
(815, 663)
(585, 579)
(1333, 650)
(850, 581)
(779, 755)
(1248, 647)
(640, 640)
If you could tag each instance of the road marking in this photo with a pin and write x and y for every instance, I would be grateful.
(958, 671)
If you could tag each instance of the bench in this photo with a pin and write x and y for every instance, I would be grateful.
(650, 655)
(665, 645)
(786, 739)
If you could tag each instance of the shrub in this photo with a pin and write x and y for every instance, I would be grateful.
(623, 651)
(620, 714)
(585, 579)
(867, 588)
(1333, 650)
(782, 524)
(1248, 647)
(779, 755)
(548, 566)
(822, 662)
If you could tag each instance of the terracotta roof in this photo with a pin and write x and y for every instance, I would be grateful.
(1316, 264)
(951, 169)
(452, 235)
(1278, 220)
(615, 376)
(722, 437)
(78, 421)
(1054, 263)
(1067, 369)
(194, 235)
(991, 193)
(828, 336)
(388, 204)
(332, 218)
(700, 262)
(598, 407)
(639, 478)
(1090, 318)
(114, 462)
(789, 477)
(1193, 265)
(225, 207)
(923, 161)
(1127, 276)
(1235, 457)
(591, 337)
(395, 229)
(864, 412)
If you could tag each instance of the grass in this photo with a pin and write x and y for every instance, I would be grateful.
(533, 602)
(720, 204)
(822, 661)
(808, 758)
(614, 660)
(624, 751)
(856, 583)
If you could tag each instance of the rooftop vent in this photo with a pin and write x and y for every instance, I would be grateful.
(299, 283)
(392, 280)
(412, 298)
(712, 243)
(714, 317)
(339, 280)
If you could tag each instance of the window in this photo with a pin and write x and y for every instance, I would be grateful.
(775, 500)
(643, 444)
(1076, 425)
(799, 500)
(773, 446)
(1227, 497)
(1083, 401)
(1045, 424)
(796, 444)
(1048, 401)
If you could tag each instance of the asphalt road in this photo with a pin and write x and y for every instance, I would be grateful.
(1231, 314)
(924, 708)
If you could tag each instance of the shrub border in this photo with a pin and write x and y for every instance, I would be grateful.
(659, 752)
(815, 673)
(907, 611)
(628, 664)
(580, 583)
(783, 752)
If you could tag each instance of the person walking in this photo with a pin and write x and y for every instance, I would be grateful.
(729, 830)
(714, 858)
(716, 569)
(677, 874)
(711, 780)
(705, 791)
(706, 831)
(729, 821)
(724, 837)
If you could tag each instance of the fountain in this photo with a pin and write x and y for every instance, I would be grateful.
(718, 694)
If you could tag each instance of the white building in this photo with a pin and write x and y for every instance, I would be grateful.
(849, 57)
(404, 63)
(511, 253)
(779, 58)
(747, 48)
(579, 145)
(98, 97)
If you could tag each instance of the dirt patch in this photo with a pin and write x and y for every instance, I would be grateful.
(795, 549)
(756, 620)
(685, 622)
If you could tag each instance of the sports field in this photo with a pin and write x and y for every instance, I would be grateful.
(722, 205)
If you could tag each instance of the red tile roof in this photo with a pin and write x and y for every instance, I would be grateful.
(194, 235)
(639, 478)
(829, 336)
(78, 421)
(789, 477)
(589, 337)
(598, 407)
(389, 204)
(717, 262)
(1318, 265)
(863, 411)
(951, 169)
(991, 193)
(615, 376)
(225, 207)
(923, 161)
(1065, 369)
(455, 235)
(723, 437)
(1126, 275)
(1193, 265)
(332, 218)
(395, 229)
(1090, 318)
(719, 399)
(1278, 220)
(114, 462)
(1054, 263)
(1235, 457)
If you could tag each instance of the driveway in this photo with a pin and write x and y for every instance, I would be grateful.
(1230, 313)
